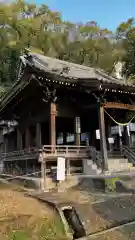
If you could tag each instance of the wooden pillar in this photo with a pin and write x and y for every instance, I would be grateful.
(68, 166)
(43, 175)
(19, 139)
(103, 145)
(53, 124)
(77, 131)
(38, 135)
(27, 138)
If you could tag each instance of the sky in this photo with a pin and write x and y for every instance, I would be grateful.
(108, 13)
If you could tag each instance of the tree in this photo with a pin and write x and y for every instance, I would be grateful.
(126, 37)
(25, 25)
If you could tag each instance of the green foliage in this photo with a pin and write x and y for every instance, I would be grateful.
(110, 184)
(47, 229)
(25, 25)
(19, 235)
(126, 35)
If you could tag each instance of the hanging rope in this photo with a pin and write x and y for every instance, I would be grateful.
(118, 123)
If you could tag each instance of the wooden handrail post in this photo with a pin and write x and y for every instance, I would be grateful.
(55, 151)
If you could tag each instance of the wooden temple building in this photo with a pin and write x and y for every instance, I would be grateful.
(66, 110)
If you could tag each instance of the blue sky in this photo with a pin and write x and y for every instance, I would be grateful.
(108, 13)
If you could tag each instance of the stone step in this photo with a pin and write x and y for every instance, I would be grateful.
(99, 171)
(91, 172)
(117, 160)
(121, 166)
(114, 153)
(132, 168)
(94, 166)
(90, 168)
(115, 156)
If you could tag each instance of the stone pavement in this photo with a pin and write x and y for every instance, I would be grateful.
(97, 212)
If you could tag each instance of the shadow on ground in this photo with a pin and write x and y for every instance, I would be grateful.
(98, 185)
(118, 211)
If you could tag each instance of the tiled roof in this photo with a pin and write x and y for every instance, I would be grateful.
(72, 70)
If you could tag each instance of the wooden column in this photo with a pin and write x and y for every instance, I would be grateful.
(43, 175)
(52, 124)
(27, 138)
(19, 139)
(103, 145)
(77, 131)
(68, 167)
(38, 135)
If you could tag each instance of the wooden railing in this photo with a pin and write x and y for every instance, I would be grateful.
(23, 154)
(63, 150)
(46, 151)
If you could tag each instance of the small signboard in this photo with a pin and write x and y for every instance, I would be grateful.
(111, 140)
(120, 132)
(40, 158)
(78, 125)
(60, 169)
(70, 138)
(97, 134)
(116, 129)
(132, 127)
(128, 130)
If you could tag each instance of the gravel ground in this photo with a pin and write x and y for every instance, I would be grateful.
(26, 216)
(98, 216)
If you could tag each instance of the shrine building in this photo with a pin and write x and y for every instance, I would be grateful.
(66, 110)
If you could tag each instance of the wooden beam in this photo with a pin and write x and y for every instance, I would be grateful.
(119, 106)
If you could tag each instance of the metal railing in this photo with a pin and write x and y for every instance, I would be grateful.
(95, 156)
(129, 153)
